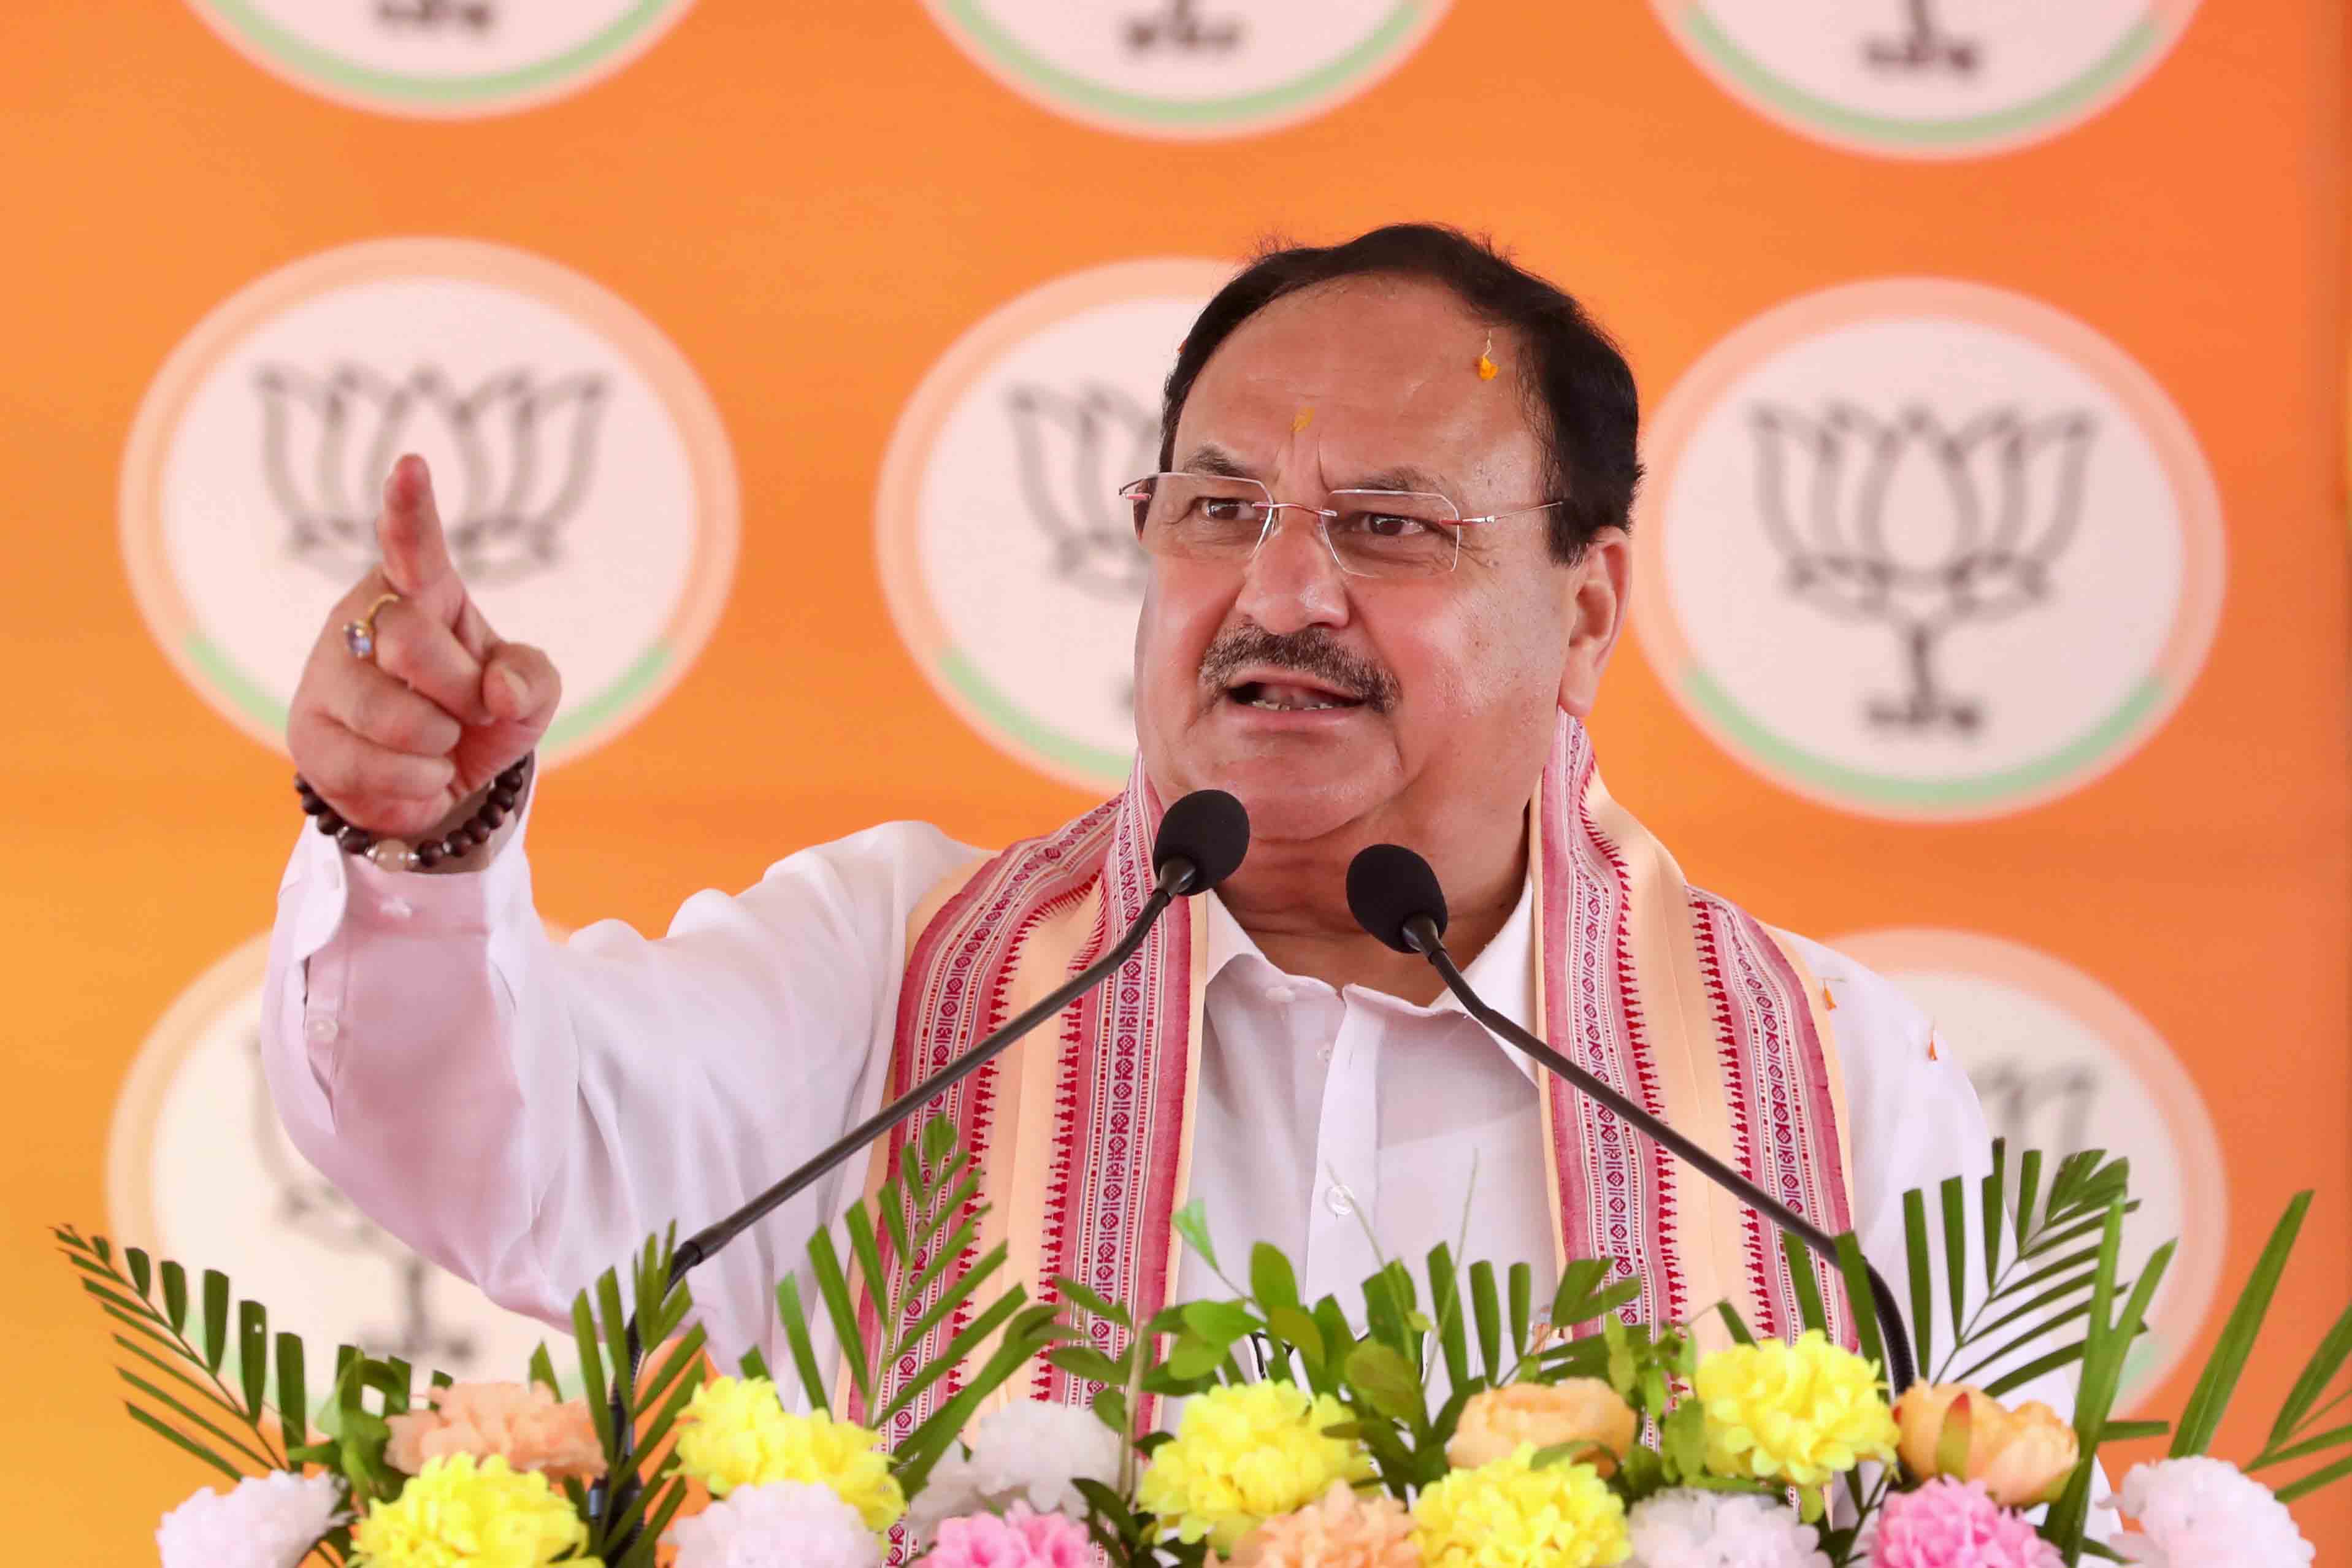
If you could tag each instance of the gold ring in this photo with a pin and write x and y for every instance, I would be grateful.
(359, 636)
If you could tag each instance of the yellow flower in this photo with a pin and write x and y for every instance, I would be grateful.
(1796, 1413)
(2023, 1456)
(1574, 1410)
(1509, 1514)
(735, 1432)
(1244, 1453)
(461, 1512)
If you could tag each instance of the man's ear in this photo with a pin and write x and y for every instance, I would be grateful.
(1594, 593)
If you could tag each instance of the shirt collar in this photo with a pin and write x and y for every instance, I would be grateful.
(1504, 973)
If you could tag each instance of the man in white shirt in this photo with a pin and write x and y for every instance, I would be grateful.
(1388, 565)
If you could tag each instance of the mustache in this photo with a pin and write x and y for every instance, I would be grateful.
(1311, 651)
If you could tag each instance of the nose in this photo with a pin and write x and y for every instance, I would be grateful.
(1294, 581)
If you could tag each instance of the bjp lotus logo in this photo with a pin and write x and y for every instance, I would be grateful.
(1924, 549)
(1926, 79)
(1009, 563)
(527, 450)
(583, 476)
(441, 59)
(1188, 69)
(1997, 501)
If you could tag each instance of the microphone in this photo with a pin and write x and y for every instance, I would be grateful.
(1201, 841)
(1395, 896)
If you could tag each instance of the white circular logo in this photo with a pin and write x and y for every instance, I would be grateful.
(1925, 549)
(581, 474)
(199, 1170)
(1010, 563)
(1188, 69)
(2062, 1064)
(1927, 79)
(441, 59)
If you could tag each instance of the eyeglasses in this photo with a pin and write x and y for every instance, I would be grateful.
(1370, 533)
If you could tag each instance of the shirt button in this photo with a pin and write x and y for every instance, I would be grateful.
(319, 1028)
(1280, 994)
(1323, 1052)
(1339, 1200)
(396, 908)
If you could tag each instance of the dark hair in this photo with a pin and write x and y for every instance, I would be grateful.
(1578, 388)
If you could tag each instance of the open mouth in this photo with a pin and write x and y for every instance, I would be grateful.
(1289, 696)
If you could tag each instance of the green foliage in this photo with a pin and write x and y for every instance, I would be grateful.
(2107, 1341)
(2298, 1432)
(929, 1217)
(640, 1496)
(2040, 1263)
(179, 1391)
(2063, 1244)
(1483, 1332)
(206, 1374)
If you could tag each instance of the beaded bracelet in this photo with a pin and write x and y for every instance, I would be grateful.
(397, 855)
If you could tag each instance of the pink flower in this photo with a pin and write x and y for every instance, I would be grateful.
(525, 1426)
(1950, 1523)
(1019, 1539)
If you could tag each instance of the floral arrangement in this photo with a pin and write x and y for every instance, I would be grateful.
(1463, 1426)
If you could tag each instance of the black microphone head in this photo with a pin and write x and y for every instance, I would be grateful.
(1389, 886)
(1207, 828)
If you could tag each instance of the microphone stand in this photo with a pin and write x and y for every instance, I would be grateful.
(1178, 876)
(1421, 933)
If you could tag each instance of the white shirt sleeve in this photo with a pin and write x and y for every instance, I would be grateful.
(526, 1111)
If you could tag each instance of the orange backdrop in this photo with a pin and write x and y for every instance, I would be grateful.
(814, 204)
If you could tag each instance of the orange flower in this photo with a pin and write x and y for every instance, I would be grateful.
(1339, 1530)
(524, 1425)
(1573, 1410)
(2022, 1456)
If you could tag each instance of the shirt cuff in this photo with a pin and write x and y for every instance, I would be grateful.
(332, 901)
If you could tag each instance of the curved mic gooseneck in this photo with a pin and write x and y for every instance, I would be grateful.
(1395, 896)
(1201, 841)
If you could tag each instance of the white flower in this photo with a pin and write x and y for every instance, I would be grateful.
(785, 1524)
(268, 1522)
(2204, 1513)
(1692, 1528)
(1027, 1452)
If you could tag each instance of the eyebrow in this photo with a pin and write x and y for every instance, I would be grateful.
(1210, 459)
(1406, 478)
(1214, 459)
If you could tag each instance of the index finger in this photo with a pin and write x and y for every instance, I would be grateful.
(408, 531)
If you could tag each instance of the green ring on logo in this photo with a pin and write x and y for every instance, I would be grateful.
(1093, 763)
(1288, 101)
(2068, 97)
(635, 28)
(2096, 87)
(2025, 780)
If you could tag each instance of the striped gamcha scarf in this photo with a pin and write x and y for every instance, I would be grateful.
(1083, 1133)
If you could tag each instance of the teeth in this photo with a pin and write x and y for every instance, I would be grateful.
(1286, 707)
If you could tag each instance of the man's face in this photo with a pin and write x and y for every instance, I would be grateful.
(1343, 707)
